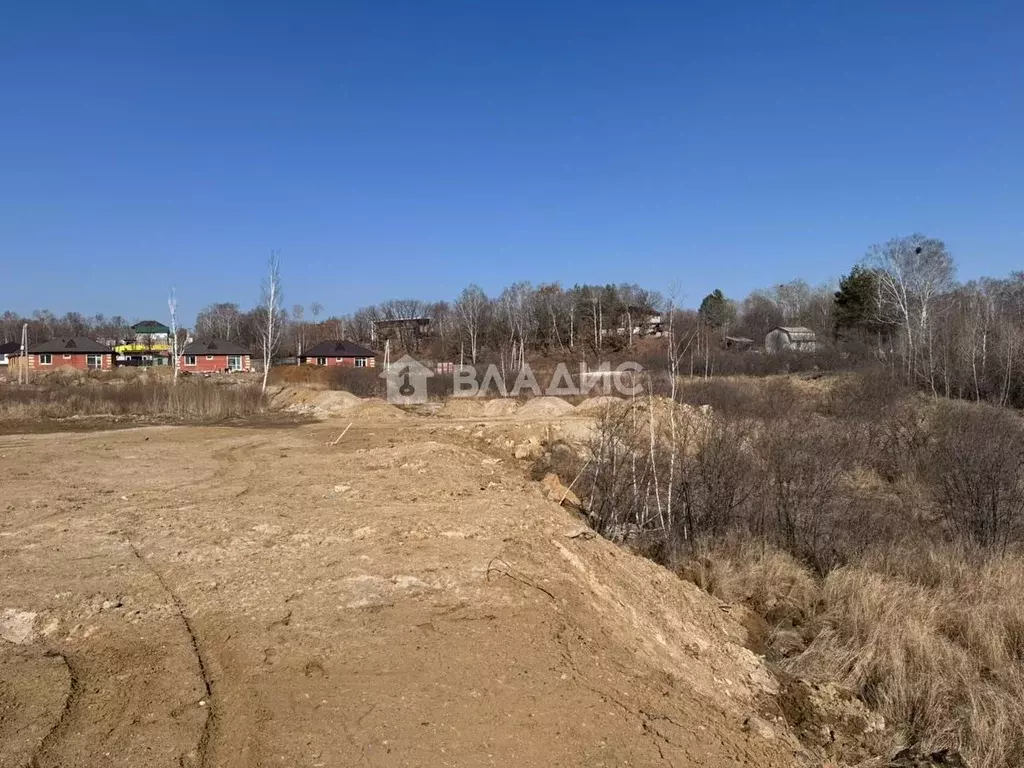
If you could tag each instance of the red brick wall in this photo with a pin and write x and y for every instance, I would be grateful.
(78, 360)
(347, 362)
(217, 364)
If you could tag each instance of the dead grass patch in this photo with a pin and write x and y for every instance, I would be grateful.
(192, 399)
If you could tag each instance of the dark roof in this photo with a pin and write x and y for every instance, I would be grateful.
(214, 347)
(77, 345)
(337, 348)
(10, 347)
(403, 321)
(150, 326)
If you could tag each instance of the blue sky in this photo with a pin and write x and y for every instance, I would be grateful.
(406, 148)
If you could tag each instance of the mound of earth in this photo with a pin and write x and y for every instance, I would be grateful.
(545, 407)
(461, 408)
(596, 406)
(472, 407)
(500, 406)
(327, 403)
(378, 410)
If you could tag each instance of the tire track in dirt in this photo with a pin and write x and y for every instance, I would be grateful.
(237, 465)
(203, 747)
(74, 691)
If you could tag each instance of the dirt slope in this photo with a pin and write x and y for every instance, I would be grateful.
(242, 597)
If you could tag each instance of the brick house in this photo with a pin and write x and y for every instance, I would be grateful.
(9, 349)
(337, 352)
(79, 352)
(215, 356)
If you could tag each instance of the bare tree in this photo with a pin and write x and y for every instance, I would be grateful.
(271, 318)
(912, 272)
(299, 328)
(175, 340)
(222, 320)
(470, 308)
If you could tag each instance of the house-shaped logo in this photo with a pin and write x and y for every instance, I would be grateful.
(407, 381)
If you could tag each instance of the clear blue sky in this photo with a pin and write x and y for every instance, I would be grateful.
(406, 148)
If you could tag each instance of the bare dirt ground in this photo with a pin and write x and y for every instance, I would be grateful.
(216, 596)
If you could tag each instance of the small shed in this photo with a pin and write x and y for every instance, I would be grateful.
(794, 338)
(738, 342)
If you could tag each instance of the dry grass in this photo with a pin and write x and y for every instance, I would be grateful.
(931, 637)
(935, 641)
(190, 400)
(771, 583)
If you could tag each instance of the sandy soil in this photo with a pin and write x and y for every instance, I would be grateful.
(204, 596)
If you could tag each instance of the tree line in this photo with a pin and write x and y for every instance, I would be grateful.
(899, 306)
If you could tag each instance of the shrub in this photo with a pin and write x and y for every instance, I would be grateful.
(361, 382)
(801, 498)
(619, 483)
(865, 395)
(753, 398)
(976, 462)
(715, 477)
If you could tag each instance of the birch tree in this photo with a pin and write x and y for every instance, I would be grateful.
(299, 329)
(912, 273)
(175, 341)
(470, 308)
(271, 319)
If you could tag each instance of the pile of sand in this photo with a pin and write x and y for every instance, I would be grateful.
(329, 403)
(461, 408)
(545, 407)
(378, 410)
(474, 407)
(501, 406)
(598, 405)
(326, 404)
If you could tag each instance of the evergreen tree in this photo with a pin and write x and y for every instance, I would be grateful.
(716, 310)
(857, 310)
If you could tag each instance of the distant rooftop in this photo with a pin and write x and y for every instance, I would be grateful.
(150, 326)
(338, 348)
(214, 347)
(395, 321)
(78, 344)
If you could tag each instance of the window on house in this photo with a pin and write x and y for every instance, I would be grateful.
(360, 362)
(321, 361)
(339, 359)
(190, 359)
(67, 357)
(94, 361)
(46, 359)
(234, 362)
(209, 357)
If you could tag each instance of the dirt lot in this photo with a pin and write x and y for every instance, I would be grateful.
(215, 596)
